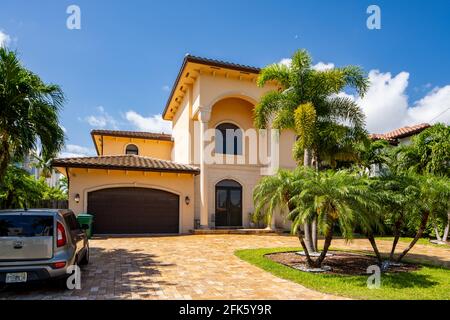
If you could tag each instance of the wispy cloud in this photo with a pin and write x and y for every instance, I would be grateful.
(5, 39)
(101, 119)
(76, 151)
(166, 88)
(153, 123)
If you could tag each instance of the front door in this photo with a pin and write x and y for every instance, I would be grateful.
(228, 204)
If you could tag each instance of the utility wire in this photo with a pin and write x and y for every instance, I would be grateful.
(440, 114)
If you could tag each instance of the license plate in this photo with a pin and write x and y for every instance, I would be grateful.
(16, 277)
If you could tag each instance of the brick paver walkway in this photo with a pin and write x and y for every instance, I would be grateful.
(187, 267)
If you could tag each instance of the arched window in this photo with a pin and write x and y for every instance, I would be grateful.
(132, 149)
(228, 139)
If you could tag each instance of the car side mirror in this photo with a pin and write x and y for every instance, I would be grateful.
(84, 226)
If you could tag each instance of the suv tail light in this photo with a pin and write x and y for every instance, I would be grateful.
(61, 238)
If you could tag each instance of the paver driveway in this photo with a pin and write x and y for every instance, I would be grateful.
(181, 267)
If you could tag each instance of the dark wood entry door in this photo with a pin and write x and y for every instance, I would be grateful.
(134, 210)
(228, 205)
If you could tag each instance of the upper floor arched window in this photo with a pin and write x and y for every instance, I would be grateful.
(132, 149)
(228, 139)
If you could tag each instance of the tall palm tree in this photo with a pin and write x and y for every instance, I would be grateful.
(337, 198)
(28, 113)
(308, 102)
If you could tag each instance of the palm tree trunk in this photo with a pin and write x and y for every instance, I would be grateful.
(396, 238)
(308, 236)
(447, 228)
(436, 232)
(314, 234)
(419, 233)
(375, 247)
(309, 261)
(326, 246)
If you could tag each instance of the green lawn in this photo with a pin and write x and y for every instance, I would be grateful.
(423, 241)
(427, 283)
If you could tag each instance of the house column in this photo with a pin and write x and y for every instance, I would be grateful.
(204, 116)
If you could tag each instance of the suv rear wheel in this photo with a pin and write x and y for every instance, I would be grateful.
(85, 260)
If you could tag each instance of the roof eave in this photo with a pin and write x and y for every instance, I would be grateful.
(188, 58)
(123, 168)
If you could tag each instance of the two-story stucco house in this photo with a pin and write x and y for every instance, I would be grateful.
(143, 182)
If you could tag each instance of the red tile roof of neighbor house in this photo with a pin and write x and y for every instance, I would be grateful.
(125, 162)
(133, 134)
(399, 133)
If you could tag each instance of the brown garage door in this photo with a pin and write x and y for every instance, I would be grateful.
(134, 210)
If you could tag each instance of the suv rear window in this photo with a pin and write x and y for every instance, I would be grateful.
(25, 226)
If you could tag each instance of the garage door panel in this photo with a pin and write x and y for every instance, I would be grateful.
(134, 210)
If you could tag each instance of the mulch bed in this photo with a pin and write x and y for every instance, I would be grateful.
(341, 263)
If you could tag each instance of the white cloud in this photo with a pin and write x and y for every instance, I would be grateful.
(286, 61)
(76, 151)
(166, 88)
(386, 104)
(101, 120)
(153, 123)
(387, 108)
(322, 66)
(4, 39)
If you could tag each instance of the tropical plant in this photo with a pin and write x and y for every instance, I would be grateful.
(338, 198)
(44, 165)
(429, 153)
(19, 189)
(308, 102)
(28, 113)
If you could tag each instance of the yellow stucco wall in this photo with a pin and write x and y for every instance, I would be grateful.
(83, 181)
(150, 148)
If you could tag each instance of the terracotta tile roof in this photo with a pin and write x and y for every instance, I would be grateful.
(125, 162)
(222, 64)
(399, 133)
(133, 134)
(407, 131)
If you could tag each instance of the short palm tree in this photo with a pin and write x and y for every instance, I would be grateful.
(338, 198)
(28, 113)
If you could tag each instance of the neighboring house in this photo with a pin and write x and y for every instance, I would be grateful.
(142, 182)
(397, 137)
(29, 164)
(402, 135)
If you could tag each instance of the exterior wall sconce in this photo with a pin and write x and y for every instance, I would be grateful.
(187, 200)
(77, 198)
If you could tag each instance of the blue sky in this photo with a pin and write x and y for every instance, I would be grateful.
(117, 69)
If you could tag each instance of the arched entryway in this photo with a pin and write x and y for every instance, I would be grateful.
(228, 204)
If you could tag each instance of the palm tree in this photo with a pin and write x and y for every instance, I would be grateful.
(429, 153)
(308, 103)
(337, 198)
(28, 113)
(434, 196)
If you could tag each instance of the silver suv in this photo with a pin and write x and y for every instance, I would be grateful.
(40, 244)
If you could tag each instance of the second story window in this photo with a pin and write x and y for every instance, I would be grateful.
(132, 149)
(228, 139)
